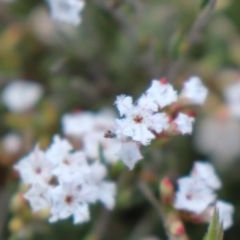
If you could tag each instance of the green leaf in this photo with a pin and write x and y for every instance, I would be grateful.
(215, 230)
(204, 3)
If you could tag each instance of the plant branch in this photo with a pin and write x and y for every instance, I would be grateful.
(156, 204)
(191, 39)
(200, 23)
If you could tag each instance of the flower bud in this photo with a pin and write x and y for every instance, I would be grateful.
(166, 190)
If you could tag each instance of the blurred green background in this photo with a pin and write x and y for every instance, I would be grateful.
(118, 48)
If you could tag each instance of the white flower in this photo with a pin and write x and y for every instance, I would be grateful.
(67, 164)
(12, 143)
(35, 168)
(92, 142)
(232, 95)
(124, 104)
(66, 10)
(159, 122)
(70, 199)
(20, 95)
(110, 147)
(77, 124)
(89, 128)
(135, 127)
(184, 123)
(193, 195)
(139, 124)
(59, 150)
(105, 190)
(75, 164)
(219, 139)
(104, 120)
(196, 195)
(106, 193)
(225, 211)
(162, 93)
(205, 172)
(194, 90)
(38, 197)
(146, 103)
(129, 153)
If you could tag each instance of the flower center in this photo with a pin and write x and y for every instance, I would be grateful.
(69, 199)
(38, 170)
(189, 197)
(138, 119)
(66, 161)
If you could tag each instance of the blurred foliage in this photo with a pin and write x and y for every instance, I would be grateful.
(118, 48)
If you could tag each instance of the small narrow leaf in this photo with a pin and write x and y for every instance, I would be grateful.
(215, 230)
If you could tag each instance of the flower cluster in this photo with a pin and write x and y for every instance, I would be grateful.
(66, 10)
(145, 120)
(64, 181)
(196, 195)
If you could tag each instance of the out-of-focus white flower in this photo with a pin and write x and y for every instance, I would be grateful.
(38, 196)
(196, 195)
(21, 95)
(205, 172)
(110, 147)
(70, 199)
(193, 195)
(11, 143)
(129, 153)
(146, 103)
(77, 124)
(66, 10)
(59, 150)
(66, 164)
(219, 138)
(105, 190)
(89, 128)
(162, 93)
(94, 140)
(35, 168)
(232, 95)
(225, 211)
(65, 182)
(194, 90)
(184, 123)
(124, 104)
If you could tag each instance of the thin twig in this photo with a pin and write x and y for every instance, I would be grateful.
(156, 204)
(200, 23)
(144, 226)
(101, 224)
(192, 38)
(151, 198)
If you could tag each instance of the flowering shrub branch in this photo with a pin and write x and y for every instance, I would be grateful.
(76, 170)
